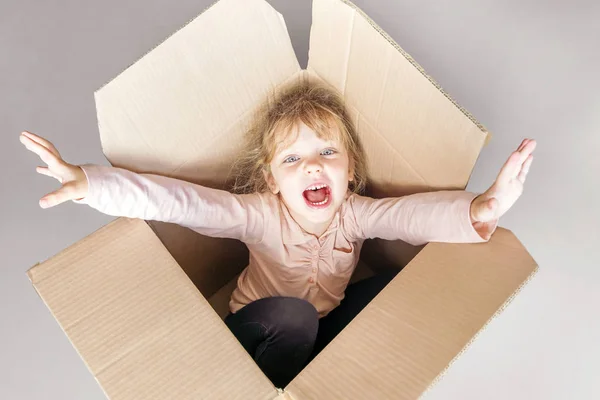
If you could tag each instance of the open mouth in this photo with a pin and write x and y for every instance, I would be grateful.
(318, 197)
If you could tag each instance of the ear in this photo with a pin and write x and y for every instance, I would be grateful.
(270, 181)
(350, 170)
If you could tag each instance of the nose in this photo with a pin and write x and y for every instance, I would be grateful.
(313, 166)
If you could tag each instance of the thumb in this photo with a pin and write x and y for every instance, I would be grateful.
(485, 210)
(489, 208)
(66, 192)
(492, 204)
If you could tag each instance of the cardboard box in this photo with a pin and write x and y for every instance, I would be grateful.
(143, 302)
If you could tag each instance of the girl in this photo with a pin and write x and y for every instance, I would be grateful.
(297, 205)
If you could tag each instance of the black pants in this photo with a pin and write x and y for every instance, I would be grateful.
(284, 334)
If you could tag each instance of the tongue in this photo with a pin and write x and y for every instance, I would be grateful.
(315, 196)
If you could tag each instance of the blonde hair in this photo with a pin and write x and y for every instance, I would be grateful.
(321, 108)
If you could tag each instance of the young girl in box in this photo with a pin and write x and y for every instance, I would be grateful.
(297, 205)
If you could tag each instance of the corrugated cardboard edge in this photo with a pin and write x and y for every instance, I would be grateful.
(329, 383)
(494, 316)
(158, 44)
(284, 395)
(420, 69)
(30, 275)
(87, 366)
(381, 32)
(47, 274)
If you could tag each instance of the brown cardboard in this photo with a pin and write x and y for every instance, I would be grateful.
(409, 334)
(140, 325)
(143, 301)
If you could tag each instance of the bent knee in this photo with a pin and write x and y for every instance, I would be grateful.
(297, 315)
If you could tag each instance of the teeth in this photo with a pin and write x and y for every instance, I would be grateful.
(316, 187)
(321, 202)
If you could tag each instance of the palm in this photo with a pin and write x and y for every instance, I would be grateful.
(508, 187)
(57, 168)
(74, 184)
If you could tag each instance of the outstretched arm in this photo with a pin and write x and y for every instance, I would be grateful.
(120, 192)
(451, 216)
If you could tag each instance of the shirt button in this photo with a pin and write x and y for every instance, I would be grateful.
(311, 280)
(314, 270)
(316, 247)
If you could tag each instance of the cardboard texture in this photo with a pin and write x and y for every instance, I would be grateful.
(143, 302)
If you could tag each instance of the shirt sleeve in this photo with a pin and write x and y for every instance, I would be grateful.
(211, 212)
(442, 216)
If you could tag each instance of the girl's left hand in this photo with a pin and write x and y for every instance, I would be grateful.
(508, 187)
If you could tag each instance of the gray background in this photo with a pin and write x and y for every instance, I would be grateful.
(523, 68)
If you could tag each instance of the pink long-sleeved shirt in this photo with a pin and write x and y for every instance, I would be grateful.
(284, 260)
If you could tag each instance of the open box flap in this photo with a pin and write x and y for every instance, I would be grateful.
(406, 338)
(142, 328)
(181, 109)
(416, 138)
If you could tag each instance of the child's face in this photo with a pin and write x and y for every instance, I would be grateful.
(306, 162)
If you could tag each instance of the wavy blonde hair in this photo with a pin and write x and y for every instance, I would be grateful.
(275, 124)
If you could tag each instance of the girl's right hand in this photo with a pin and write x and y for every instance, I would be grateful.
(73, 179)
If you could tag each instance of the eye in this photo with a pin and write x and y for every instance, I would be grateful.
(291, 159)
(286, 160)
